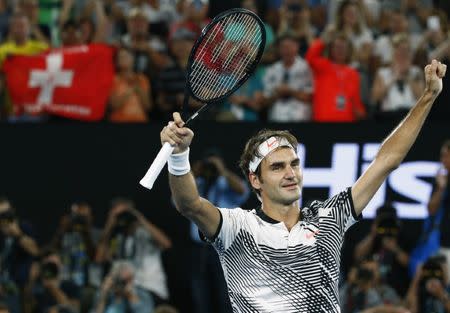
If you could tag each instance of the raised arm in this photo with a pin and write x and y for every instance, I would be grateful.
(183, 187)
(395, 147)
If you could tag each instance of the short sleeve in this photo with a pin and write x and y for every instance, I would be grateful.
(232, 223)
(340, 209)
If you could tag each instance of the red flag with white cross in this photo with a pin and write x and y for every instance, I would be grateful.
(72, 82)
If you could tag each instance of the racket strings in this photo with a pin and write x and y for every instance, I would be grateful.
(225, 56)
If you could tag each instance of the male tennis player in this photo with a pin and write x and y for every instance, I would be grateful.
(281, 258)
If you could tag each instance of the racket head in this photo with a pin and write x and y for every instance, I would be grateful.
(244, 29)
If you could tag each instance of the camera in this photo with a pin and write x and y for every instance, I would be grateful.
(49, 270)
(119, 283)
(7, 217)
(124, 220)
(78, 221)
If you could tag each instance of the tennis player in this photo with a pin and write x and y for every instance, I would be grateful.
(280, 257)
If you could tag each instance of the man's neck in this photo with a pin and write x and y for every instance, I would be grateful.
(288, 63)
(288, 214)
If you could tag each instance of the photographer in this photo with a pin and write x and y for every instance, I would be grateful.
(120, 294)
(429, 290)
(364, 290)
(128, 235)
(384, 243)
(17, 249)
(46, 289)
(75, 240)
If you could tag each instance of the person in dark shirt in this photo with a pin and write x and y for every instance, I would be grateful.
(440, 199)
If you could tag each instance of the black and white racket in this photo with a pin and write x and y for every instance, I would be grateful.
(222, 59)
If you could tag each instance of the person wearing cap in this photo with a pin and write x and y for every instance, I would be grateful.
(281, 257)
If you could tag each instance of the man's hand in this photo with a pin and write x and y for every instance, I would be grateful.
(12, 229)
(434, 72)
(435, 288)
(176, 134)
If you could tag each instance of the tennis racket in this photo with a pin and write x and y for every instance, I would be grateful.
(222, 59)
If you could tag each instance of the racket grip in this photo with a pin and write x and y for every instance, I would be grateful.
(153, 172)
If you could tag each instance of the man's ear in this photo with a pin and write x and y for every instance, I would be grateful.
(254, 180)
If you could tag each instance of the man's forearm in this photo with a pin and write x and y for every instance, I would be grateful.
(28, 244)
(184, 191)
(398, 143)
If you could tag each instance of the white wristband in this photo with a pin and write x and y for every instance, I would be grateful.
(178, 164)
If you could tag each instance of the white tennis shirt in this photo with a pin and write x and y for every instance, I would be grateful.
(271, 269)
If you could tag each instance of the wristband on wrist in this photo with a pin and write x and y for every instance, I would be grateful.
(178, 164)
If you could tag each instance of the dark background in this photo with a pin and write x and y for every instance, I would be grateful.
(43, 168)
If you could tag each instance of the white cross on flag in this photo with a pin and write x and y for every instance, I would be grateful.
(71, 82)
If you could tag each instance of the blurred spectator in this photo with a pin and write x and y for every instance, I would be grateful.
(83, 31)
(20, 42)
(288, 84)
(149, 51)
(364, 289)
(30, 8)
(417, 12)
(171, 81)
(128, 235)
(130, 99)
(194, 16)
(47, 289)
(17, 249)
(223, 188)
(295, 19)
(398, 86)
(383, 49)
(75, 240)
(350, 21)
(337, 95)
(429, 290)
(440, 200)
(386, 246)
(120, 294)
(432, 38)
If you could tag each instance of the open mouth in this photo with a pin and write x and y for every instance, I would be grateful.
(290, 186)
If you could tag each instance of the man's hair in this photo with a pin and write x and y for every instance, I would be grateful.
(251, 149)
(399, 39)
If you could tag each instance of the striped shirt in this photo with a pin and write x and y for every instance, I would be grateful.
(271, 269)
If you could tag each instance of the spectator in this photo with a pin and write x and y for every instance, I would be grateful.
(386, 245)
(20, 42)
(130, 99)
(4, 308)
(429, 290)
(417, 12)
(47, 289)
(364, 290)
(224, 188)
(194, 16)
(119, 292)
(398, 86)
(295, 19)
(440, 200)
(350, 21)
(171, 81)
(17, 249)
(128, 235)
(383, 49)
(337, 95)
(149, 51)
(164, 308)
(288, 84)
(83, 31)
(30, 8)
(5, 13)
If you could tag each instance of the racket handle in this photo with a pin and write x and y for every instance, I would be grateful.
(153, 172)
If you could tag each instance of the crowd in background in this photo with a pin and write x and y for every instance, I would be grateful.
(324, 60)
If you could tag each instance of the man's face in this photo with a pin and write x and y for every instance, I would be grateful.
(445, 158)
(138, 26)
(339, 51)
(4, 206)
(281, 177)
(288, 49)
(20, 28)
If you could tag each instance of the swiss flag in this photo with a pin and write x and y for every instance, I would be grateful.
(72, 82)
